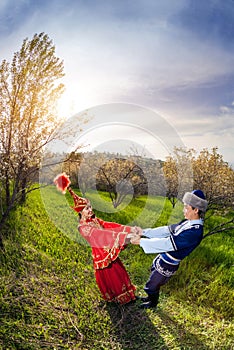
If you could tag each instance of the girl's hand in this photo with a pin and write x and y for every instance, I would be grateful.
(136, 230)
(135, 240)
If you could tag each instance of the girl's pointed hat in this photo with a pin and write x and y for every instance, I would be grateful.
(62, 182)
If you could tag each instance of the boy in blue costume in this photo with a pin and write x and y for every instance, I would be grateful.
(173, 243)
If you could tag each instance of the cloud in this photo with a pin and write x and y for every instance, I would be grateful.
(173, 56)
(209, 20)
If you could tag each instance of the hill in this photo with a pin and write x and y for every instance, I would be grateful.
(49, 298)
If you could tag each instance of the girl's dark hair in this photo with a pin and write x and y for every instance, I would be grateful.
(79, 214)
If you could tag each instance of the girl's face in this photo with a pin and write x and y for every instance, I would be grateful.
(87, 212)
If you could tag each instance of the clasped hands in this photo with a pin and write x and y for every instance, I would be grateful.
(135, 235)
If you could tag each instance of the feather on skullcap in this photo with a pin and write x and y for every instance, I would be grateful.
(62, 182)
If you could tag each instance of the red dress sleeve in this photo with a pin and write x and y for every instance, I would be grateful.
(106, 239)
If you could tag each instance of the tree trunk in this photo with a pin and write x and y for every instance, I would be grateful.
(7, 188)
(23, 190)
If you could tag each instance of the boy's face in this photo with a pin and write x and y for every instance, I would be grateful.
(190, 213)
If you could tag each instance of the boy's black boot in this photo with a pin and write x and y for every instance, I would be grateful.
(150, 302)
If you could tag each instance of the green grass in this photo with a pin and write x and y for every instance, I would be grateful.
(50, 300)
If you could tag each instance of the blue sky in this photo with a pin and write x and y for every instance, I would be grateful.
(173, 57)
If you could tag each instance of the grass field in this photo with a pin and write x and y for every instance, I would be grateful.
(49, 297)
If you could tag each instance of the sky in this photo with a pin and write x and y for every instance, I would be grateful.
(147, 71)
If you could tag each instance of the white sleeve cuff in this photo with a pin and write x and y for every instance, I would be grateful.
(156, 245)
(158, 232)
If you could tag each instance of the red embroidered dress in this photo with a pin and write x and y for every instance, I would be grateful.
(107, 240)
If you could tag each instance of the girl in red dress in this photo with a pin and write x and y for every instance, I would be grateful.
(107, 240)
